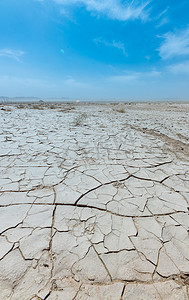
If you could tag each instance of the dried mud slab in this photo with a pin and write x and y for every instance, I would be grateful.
(94, 201)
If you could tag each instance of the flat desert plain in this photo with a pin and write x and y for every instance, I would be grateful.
(94, 201)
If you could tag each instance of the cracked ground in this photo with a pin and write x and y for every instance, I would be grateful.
(94, 201)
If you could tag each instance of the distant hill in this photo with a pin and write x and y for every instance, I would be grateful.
(4, 99)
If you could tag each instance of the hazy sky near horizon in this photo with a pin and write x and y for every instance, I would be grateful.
(94, 49)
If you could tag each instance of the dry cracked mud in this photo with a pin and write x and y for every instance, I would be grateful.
(94, 201)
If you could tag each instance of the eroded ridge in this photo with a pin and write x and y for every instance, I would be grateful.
(94, 202)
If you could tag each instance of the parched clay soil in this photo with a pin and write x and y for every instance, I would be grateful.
(94, 201)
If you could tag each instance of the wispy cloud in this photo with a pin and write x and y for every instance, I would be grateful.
(13, 54)
(113, 9)
(133, 76)
(72, 82)
(180, 68)
(162, 22)
(162, 18)
(175, 44)
(116, 44)
(49, 87)
(163, 12)
(124, 78)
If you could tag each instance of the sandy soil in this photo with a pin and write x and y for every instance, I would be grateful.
(94, 201)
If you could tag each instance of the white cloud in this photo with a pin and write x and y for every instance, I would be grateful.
(116, 44)
(175, 44)
(10, 53)
(113, 9)
(180, 68)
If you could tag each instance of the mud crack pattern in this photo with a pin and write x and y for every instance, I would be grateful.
(94, 201)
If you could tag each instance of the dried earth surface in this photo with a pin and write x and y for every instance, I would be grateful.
(94, 201)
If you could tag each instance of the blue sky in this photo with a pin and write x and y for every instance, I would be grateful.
(95, 49)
